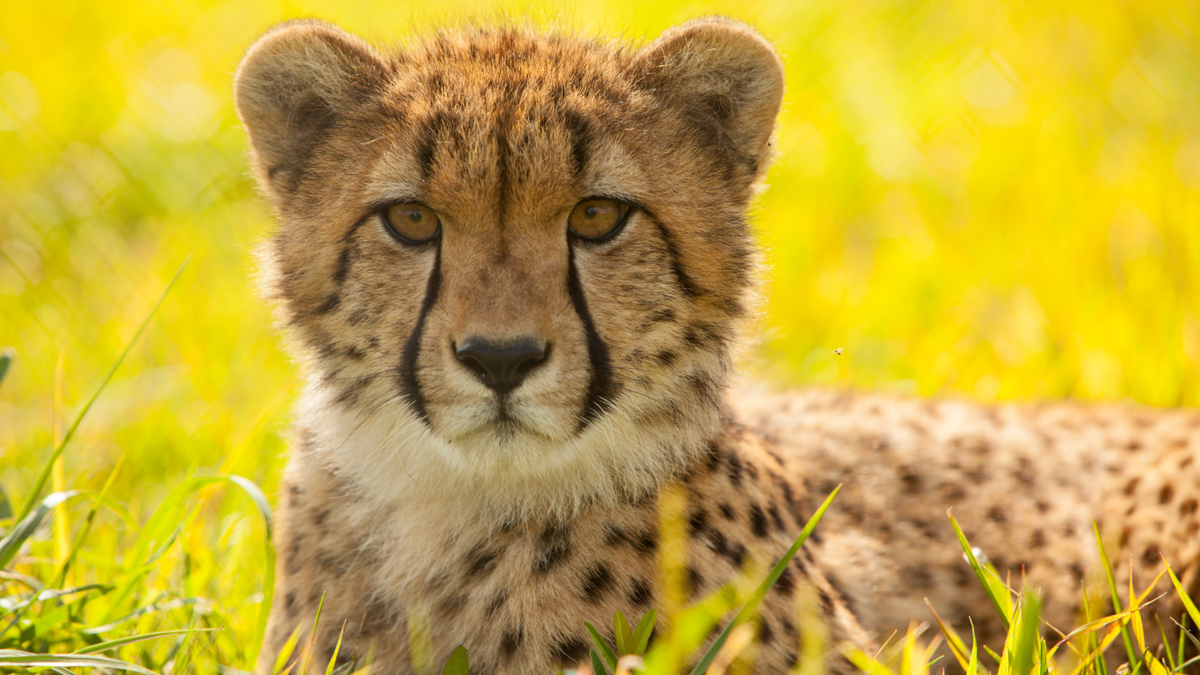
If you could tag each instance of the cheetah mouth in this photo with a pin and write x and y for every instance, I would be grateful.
(504, 425)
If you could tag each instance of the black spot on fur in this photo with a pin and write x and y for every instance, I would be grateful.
(1037, 539)
(640, 595)
(765, 634)
(289, 602)
(1166, 494)
(292, 563)
(482, 560)
(329, 305)
(775, 517)
(666, 357)
(496, 603)
(1150, 556)
(511, 641)
(343, 265)
(453, 604)
(734, 470)
(664, 315)
(596, 583)
(786, 584)
(703, 387)
(568, 651)
(645, 543)
(758, 521)
(698, 522)
(727, 511)
(320, 517)
(695, 579)
(686, 285)
(556, 547)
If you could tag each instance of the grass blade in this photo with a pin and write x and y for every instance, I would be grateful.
(1002, 608)
(7, 356)
(14, 658)
(641, 634)
(1025, 637)
(1116, 600)
(457, 663)
(1187, 601)
(152, 608)
(624, 634)
(336, 648)
(58, 450)
(285, 653)
(598, 665)
(605, 651)
(953, 641)
(121, 642)
(973, 663)
(60, 578)
(28, 524)
(864, 663)
(751, 605)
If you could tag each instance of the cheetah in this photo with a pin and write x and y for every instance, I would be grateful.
(515, 267)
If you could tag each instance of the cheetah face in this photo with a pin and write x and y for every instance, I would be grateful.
(519, 254)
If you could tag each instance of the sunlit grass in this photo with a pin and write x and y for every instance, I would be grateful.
(993, 199)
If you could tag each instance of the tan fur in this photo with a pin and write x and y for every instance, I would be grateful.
(508, 520)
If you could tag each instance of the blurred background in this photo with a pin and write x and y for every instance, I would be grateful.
(992, 199)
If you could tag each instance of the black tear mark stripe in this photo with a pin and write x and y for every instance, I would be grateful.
(601, 388)
(689, 287)
(410, 389)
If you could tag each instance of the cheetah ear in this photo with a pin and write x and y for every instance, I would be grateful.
(295, 82)
(725, 76)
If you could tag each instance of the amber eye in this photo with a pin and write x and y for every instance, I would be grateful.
(597, 218)
(411, 222)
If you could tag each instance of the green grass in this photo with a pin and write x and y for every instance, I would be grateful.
(993, 199)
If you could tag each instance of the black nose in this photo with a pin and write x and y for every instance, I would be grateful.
(501, 367)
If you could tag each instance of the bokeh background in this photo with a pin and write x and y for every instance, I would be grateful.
(997, 199)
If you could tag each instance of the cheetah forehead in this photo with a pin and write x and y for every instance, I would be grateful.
(452, 117)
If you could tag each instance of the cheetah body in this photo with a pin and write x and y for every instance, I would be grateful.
(420, 500)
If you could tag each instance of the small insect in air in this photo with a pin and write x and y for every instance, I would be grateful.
(838, 351)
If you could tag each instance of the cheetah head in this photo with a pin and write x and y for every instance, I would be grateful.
(512, 260)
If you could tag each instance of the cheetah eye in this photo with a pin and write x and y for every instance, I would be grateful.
(597, 219)
(411, 223)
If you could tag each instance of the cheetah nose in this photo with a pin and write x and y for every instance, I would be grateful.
(501, 367)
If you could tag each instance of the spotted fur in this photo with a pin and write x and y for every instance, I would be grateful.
(503, 521)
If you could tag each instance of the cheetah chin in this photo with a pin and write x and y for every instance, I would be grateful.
(514, 267)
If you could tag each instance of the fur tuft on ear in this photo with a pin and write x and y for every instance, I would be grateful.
(725, 76)
(293, 83)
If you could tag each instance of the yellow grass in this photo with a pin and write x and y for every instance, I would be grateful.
(996, 199)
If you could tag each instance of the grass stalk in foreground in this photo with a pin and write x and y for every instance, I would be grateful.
(62, 443)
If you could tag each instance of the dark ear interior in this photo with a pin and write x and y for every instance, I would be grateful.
(293, 83)
(725, 76)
